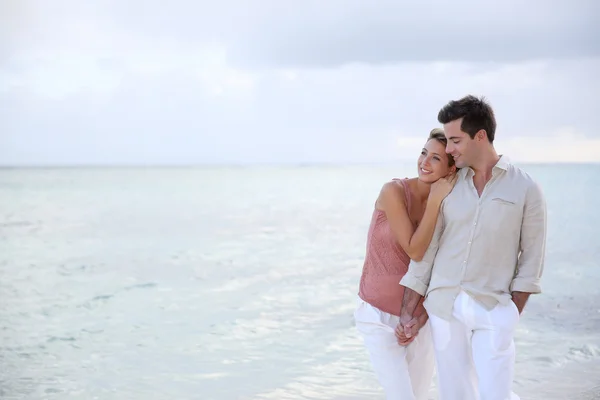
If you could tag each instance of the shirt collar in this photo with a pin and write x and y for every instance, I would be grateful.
(503, 164)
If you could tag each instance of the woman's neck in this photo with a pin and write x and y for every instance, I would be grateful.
(422, 191)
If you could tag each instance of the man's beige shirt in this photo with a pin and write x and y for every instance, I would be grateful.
(488, 246)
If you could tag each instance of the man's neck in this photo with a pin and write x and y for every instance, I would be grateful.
(485, 165)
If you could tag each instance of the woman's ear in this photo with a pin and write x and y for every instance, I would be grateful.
(452, 170)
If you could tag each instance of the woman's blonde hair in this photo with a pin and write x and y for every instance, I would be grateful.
(438, 134)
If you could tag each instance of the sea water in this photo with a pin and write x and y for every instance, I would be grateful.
(240, 283)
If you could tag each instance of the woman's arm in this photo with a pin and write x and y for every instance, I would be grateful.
(391, 201)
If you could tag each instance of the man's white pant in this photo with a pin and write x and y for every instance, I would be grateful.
(475, 351)
(405, 372)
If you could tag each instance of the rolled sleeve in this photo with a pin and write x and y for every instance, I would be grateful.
(419, 272)
(533, 243)
(414, 281)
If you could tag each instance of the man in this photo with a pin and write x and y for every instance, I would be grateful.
(485, 259)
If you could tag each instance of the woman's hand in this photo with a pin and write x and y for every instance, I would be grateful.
(407, 331)
(442, 188)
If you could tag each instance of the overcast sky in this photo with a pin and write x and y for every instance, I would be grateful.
(189, 81)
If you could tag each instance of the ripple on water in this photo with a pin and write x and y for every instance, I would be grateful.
(586, 351)
(97, 300)
(146, 285)
(53, 339)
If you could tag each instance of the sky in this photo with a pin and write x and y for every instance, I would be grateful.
(280, 81)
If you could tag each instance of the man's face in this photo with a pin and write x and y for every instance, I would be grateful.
(460, 145)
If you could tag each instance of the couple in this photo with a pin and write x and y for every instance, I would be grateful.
(452, 257)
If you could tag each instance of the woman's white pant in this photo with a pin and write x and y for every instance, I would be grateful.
(404, 372)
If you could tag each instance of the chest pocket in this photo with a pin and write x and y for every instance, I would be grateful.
(504, 213)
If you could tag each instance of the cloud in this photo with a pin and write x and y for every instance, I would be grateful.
(311, 33)
(131, 82)
(186, 113)
(563, 145)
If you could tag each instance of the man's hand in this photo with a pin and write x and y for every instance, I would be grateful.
(520, 299)
(401, 336)
(407, 329)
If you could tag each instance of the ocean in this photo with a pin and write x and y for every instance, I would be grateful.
(240, 283)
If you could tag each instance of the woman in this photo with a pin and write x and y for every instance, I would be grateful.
(401, 228)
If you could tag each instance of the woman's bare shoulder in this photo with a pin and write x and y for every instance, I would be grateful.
(391, 191)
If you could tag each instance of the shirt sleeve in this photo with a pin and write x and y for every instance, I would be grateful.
(533, 243)
(419, 272)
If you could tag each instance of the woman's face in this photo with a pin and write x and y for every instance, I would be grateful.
(433, 162)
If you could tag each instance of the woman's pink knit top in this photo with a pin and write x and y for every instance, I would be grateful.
(385, 264)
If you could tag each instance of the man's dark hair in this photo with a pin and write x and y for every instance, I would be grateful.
(476, 113)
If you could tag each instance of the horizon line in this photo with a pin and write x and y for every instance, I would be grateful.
(255, 164)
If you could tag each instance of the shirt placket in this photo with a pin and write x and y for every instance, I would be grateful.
(473, 191)
(480, 202)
